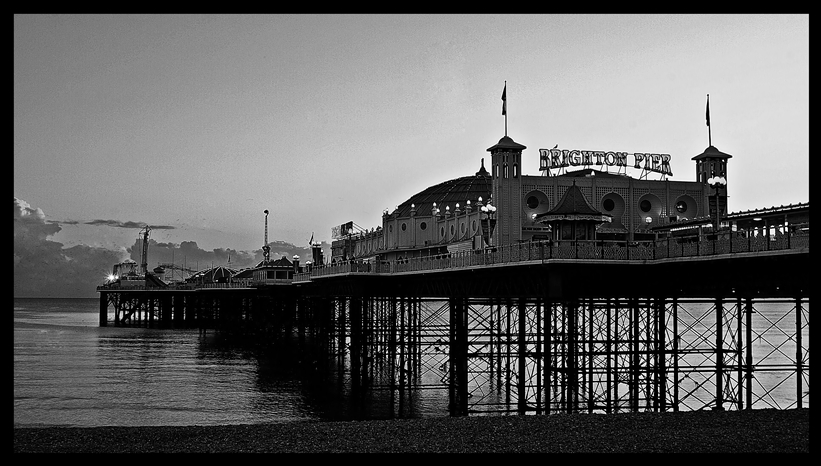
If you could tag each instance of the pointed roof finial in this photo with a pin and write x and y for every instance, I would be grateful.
(482, 171)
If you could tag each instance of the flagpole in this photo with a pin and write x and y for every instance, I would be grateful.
(709, 130)
(504, 105)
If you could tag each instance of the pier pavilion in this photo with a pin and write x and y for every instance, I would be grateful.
(504, 206)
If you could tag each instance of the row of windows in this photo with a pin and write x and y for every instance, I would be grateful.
(609, 204)
(505, 173)
(462, 229)
(424, 226)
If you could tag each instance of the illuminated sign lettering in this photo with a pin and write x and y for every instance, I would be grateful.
(559, 158)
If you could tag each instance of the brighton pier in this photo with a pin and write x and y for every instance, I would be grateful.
(585, 291)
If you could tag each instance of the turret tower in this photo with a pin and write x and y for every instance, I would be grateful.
(710, 164)
(506, 166)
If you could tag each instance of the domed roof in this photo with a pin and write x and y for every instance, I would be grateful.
(213, 274)
(449, 193)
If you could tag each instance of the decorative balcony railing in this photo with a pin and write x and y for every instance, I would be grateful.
(728, 242)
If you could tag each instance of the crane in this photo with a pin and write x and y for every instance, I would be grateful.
(266, 250)
(144, 256)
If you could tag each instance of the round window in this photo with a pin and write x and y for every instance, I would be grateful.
(442, 232)
(681, 206)
(645, 205)
(404, 226)
(532, 202)
(473, 226)
(462, 228)
(423, 226)
(451, 229)
(608, 205)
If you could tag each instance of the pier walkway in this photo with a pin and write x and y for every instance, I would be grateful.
(668, 249)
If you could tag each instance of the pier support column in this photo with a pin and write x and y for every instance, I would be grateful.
(748, 357)
(458, 357)
(548, 354)
(522, 358)
(799, 357)
(355, 316)
(103, 309)
(719, 355)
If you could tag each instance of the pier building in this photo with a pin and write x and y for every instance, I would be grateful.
(580, 289)
(504, 206)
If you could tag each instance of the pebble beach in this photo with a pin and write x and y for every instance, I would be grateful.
(754, 431)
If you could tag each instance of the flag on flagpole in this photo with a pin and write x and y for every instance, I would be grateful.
(708, 109)
(504, 100)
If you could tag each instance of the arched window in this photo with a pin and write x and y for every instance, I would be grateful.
(515, 170)
(504, 170)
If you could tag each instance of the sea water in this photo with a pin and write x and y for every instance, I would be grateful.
(69, 371)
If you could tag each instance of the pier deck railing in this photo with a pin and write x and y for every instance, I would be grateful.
(729, 242)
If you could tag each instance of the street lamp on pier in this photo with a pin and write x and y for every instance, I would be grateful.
(488, 214)
(717, 182)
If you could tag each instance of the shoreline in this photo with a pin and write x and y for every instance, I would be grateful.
(753, 431)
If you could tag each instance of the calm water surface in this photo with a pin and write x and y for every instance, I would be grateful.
(68, 371)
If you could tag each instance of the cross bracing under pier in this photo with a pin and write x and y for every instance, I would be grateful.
(535, 356)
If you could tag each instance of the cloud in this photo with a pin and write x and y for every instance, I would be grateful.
(46, 268)
(30, 224)
(43, 268)
(119, 224)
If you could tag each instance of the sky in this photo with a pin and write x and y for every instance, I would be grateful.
(197, 124)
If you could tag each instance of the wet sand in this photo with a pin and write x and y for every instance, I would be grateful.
(765, 431)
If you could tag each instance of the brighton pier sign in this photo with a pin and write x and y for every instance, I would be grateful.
(560, 158)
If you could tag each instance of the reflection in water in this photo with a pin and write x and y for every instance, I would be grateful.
(70, 372)
(284, 377)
